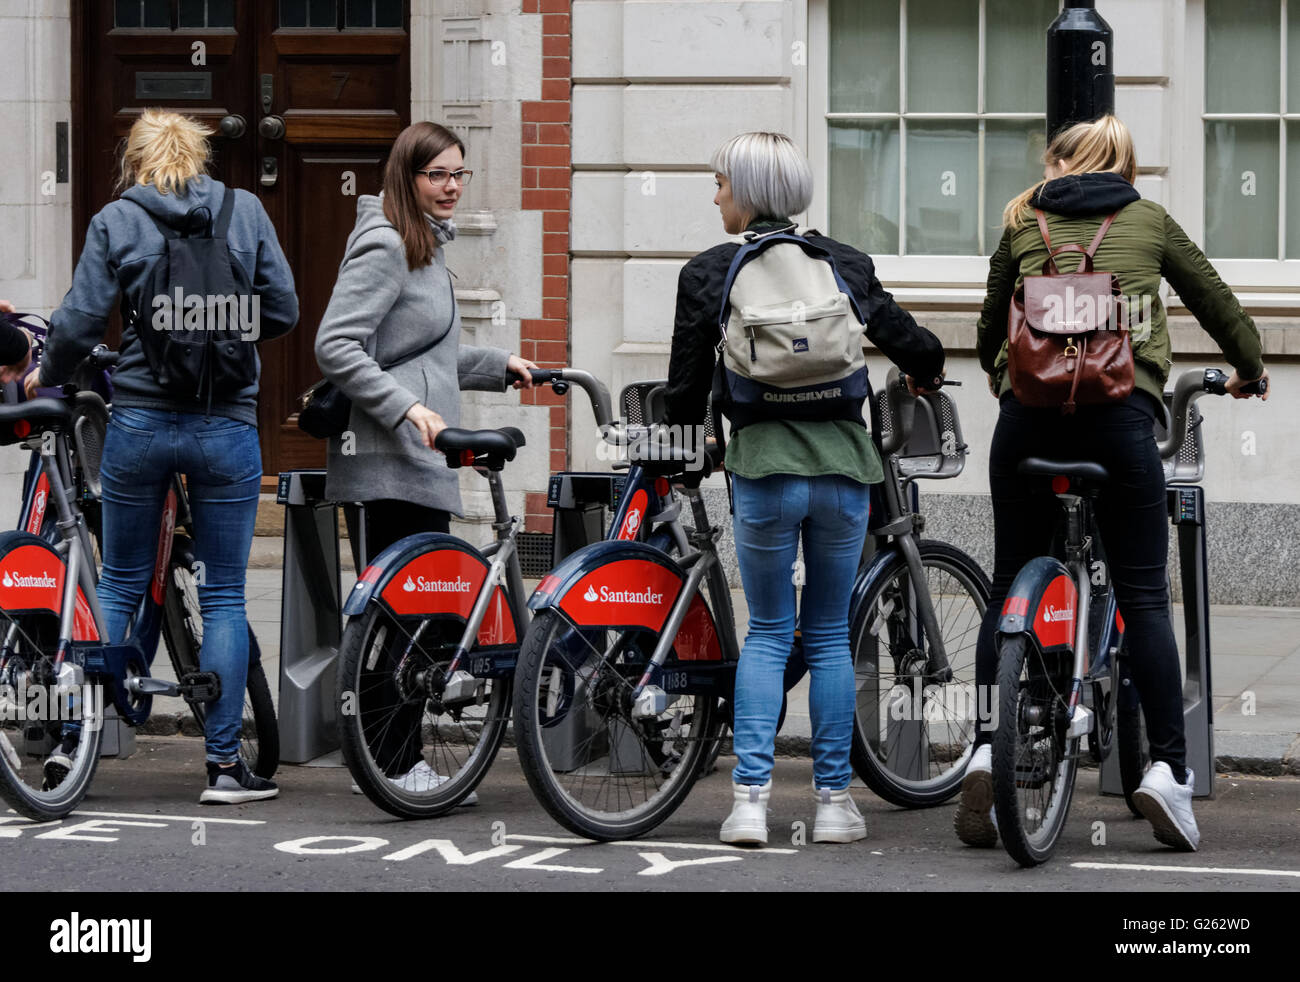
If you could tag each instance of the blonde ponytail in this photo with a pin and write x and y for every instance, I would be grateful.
(164, 149)
(1103, 146)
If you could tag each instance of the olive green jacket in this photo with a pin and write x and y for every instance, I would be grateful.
(1143, 245)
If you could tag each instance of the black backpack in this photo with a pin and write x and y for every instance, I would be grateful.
(194, 311)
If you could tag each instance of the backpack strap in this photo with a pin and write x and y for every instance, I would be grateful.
(223, 217)
(757, 245)
(1085, 265)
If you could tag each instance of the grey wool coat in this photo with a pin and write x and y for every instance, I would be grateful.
(381, 311)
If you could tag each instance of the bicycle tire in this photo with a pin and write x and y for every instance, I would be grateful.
(544, 685)
(182, 630)
(874, 758)
(22, 772)
(366, 639)
(1013, 770)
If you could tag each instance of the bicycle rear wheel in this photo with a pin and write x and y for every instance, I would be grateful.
(182, 628)
(1034, 763)
(30, 729)
(913, 732)
(598, 770)
(412, 750)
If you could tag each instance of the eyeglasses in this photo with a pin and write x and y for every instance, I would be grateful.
(439, 177)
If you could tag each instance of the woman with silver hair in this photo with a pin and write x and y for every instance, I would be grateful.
(791, 480)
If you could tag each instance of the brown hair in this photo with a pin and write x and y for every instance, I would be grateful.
(164, 149)
(415, 146)
(1101, 146)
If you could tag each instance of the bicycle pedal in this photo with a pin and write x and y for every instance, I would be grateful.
(461, 687)
(200, 687)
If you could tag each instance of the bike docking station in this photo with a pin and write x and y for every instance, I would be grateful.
(311, 621)
(1186, 504)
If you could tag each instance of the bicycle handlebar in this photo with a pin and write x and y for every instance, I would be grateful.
(559, 379)
(1189, 387)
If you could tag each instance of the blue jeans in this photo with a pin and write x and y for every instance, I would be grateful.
(831, 513)
(222, 462)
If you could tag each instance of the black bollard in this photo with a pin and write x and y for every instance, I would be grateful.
(1080, 67)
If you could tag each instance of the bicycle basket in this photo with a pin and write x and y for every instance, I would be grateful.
(642, 403)
(1188, 465)
(89, 427)
(924, 432)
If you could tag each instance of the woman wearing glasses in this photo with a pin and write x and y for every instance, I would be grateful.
(394, 305)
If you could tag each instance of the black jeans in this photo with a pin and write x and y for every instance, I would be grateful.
(1134, 523)
(397, 741)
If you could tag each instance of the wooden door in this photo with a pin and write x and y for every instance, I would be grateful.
(321, 88)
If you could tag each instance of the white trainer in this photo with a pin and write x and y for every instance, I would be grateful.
(422, 778)
(747, 823)
(838, 818)
(1167, 805)
(974, 821)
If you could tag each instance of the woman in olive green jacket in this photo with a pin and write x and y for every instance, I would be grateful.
(1090, 173)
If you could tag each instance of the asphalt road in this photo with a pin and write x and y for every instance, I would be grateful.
(141, 828)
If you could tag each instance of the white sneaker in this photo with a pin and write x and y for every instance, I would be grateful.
(1167, 805)
(747, 823)
(838, 818)
(974, 822)
(422, 778)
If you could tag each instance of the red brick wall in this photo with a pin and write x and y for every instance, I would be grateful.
(545, 182)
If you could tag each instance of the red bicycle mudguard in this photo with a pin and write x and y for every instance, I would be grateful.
(31, 581)
(623, 584)
(432, 574)
(1042, 602)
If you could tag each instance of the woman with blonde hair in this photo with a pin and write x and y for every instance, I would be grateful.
(155, 430)
(1089, 177)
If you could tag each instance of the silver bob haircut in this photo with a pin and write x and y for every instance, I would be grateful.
(770, 177)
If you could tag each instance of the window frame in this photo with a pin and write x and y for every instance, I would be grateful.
(1263, 283)
(935, 278)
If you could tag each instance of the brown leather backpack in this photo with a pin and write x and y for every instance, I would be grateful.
(1067, 339)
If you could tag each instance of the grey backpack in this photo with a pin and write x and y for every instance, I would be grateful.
(791, 334)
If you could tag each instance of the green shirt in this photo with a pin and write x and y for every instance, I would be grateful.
(810, 449)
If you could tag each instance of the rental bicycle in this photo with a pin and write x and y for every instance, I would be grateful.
(1061, 655)
(627, 673)
(51, 622)
(427, 659)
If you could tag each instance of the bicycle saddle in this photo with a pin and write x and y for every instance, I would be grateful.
(1083, 470)
(39, 414)
(502, 443)
(671, 461)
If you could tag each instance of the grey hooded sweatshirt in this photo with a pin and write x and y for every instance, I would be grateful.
(380, 312)
(122, 243)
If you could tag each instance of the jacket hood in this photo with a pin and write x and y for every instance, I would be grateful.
(171, 209)
(370, 215)
(1086, 194)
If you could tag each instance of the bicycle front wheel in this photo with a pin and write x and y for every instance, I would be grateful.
(182, 628)
(599, 769)
(1034, 761)
(414, 749)
(34, 723)
(913, 730)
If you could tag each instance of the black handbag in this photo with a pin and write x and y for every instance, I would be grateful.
(326, 408)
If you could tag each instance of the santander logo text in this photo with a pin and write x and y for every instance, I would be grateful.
(419, 584)
(1055, 614)
(43, 580)
(608, 596)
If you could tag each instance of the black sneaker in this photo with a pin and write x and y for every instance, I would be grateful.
(235, 785)
(59, 763)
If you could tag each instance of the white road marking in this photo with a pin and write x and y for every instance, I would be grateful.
(535, 862)
(561, 840)
(450, 852)
(308, 846)
(174, 818)
(79, 831)
(1146, 868)
(661, 864)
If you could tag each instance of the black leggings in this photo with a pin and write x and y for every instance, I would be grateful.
(1134, 523)
(397, 749)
